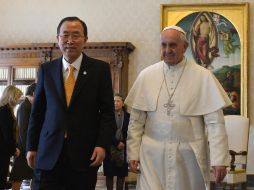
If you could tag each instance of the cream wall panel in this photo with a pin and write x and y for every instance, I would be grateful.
(136, 21)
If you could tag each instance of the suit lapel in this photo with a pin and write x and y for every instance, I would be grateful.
(82, 77)
(57, 75)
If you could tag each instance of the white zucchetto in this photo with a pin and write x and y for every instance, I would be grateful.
(175, 28)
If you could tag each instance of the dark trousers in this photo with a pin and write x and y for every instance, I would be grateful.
(4, 169)
(63, 177)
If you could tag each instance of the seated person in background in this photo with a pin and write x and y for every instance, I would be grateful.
(115, 162)
(233, 109)
(21, 170)
(8, 101)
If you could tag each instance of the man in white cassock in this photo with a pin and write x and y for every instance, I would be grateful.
(176, 129)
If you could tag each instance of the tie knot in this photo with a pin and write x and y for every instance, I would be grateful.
(71, 68)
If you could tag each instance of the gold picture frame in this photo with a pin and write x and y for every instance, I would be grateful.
(228, 39)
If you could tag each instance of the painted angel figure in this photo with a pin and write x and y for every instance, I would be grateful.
(204, 40)
(228, 42)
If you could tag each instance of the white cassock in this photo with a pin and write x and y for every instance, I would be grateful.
(173, 148)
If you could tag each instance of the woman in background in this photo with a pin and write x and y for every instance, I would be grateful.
(8, 101)
(115, 163)
(20, 170)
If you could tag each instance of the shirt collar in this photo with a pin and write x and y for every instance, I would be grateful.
(76, 64)
(175, 67)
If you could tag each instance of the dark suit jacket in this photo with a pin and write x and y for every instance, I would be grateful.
(88, 120)
(110, 167)
(124, 129)
(23, 114)
(7, 131)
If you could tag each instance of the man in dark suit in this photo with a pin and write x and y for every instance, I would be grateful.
(69, 131)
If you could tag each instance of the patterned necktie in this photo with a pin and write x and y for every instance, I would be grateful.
(69, 84)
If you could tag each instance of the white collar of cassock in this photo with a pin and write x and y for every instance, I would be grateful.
(175, 67)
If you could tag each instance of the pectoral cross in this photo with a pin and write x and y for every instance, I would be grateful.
(169, 105)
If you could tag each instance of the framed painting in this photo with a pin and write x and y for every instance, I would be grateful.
(218, 40)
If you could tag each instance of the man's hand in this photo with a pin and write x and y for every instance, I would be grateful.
(134, 166)
(98, 156)
(31, 157)
(120, 146)
(219, 173)
(17, 153)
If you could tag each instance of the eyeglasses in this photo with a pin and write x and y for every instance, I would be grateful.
(65, 37)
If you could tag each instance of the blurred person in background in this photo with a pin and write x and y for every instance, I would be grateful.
(8, 101)
(115, 163)
(20, 169)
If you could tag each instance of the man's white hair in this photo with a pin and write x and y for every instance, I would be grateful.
(179, 29)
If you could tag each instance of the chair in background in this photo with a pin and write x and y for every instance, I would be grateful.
(131, 179)
(237, 128)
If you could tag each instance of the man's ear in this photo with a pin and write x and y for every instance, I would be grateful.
(85, 39)
(57, 38)
(186, 45)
